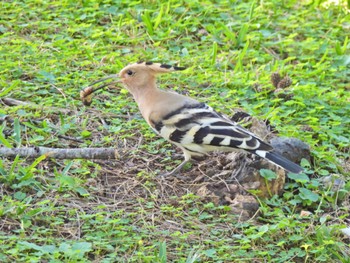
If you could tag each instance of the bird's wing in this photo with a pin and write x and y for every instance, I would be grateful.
(200, 127)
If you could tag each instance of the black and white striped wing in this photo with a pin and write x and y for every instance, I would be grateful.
(199, 129)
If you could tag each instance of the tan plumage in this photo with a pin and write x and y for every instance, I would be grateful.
(193, 126)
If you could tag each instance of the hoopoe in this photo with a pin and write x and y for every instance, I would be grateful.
(191, 125)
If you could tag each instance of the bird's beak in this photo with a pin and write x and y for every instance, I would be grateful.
(86, 93)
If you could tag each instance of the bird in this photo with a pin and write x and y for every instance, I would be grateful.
(193, 126)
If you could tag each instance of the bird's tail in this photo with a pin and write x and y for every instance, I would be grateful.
(281, 161)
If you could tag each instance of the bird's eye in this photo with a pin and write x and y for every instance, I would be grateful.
(130, 72)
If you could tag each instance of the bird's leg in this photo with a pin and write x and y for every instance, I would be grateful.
(176, 170)
(179, 167)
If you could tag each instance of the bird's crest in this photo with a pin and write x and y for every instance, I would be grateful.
(159, 68)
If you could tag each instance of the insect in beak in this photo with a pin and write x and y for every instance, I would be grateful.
(86, 93)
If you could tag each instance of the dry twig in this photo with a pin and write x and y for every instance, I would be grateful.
(57, 153)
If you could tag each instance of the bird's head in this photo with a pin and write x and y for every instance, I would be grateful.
(143, 74)
(135, 76)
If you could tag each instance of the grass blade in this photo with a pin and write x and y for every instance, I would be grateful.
(29, 170)
(228, 33)
(239, 65)
(192, 256)
(11, 175)
(4, 141)
(37, 161)
(158, 18)
(67, 168)
(7, 90)
(17, 132)
(242, 34)
(251, 11)
(162, 252)
(214, 53)
(148, 23)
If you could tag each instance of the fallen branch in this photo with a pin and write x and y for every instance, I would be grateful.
(76, 153)
(14, 102)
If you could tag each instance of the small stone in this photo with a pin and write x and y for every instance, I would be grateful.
(291, 148)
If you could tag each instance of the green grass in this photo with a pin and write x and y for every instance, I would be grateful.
(83, 211)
